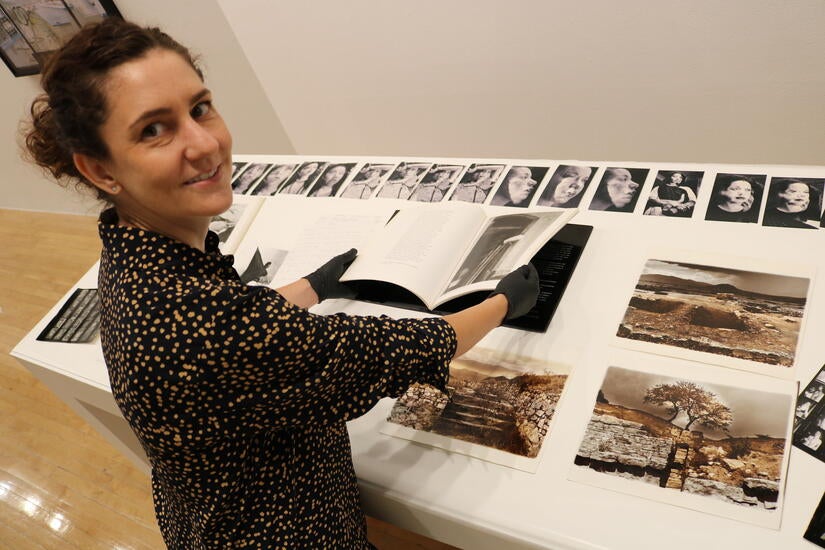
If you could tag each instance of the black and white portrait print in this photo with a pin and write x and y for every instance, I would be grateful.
(519, 185)
(437, 182)
(476, 183)
(674, 193)
(736, 198)
(366, 181)
(619, 189)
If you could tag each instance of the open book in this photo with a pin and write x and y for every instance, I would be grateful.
(439, 253)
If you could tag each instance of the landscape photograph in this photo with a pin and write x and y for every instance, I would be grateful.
(732, 313)
(676, 435)
(493, 401)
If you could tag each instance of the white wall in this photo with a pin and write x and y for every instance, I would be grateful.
(198, 24)
(699, 80)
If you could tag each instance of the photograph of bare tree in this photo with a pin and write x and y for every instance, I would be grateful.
(730, 313)
(494, 401)
(683, 435)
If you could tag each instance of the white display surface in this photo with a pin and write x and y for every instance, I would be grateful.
(476, 504)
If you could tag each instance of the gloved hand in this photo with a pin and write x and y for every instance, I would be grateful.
(325, 280)
(521, 288)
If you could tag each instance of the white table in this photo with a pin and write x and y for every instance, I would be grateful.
(475, 504)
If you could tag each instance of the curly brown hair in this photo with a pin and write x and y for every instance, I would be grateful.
(66, 118)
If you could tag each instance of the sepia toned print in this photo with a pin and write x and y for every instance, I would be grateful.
(741, 314)
(492, 400)
(677, 435)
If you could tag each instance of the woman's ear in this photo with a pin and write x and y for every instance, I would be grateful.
(96, 173)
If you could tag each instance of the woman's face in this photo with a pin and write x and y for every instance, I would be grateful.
(334, 174)
(621, 188)
(795, 198)
(738, 195)
(170, 151)
(572, 181)
(676, 178)
(520, 184)
(307, 170)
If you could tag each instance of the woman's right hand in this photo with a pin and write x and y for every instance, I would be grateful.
(521, 288)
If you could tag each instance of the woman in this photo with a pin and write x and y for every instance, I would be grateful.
(273, 179)
(301, 180)
(366, 181)
(244, 181)
(238, 394)
(733, 199)
(566, 186)
(671, 197)
(617, 192)
(328, 184)
(517, 188)
(792, 203)
(436, 183)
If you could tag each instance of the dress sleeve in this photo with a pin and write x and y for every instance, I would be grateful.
(266, 363)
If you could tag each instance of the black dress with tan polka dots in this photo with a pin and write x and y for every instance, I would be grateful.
(240, 398)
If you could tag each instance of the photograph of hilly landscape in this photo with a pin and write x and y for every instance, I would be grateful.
(678, 435)
(728, 312)
(493, 399)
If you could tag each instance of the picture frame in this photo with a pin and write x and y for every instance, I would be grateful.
(31, 30)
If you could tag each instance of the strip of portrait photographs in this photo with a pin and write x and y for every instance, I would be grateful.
(735, 312)
(728, 196)
(78, 321)
(816, 529)
(809, 418)
(31, 30)
(712, 440)
(498, 407)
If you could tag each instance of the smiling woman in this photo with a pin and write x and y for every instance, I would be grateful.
(238, 394)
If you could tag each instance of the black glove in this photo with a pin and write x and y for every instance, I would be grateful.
(521, 288)
(324, 280)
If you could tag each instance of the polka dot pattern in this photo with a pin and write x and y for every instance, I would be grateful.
(240, 398)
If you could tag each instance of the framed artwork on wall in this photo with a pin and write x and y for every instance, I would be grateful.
(31, 30)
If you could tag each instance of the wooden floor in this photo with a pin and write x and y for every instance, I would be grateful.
(62, 486)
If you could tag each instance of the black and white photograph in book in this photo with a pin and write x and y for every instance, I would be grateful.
(619, 189)
(518, 186)
(492, 250)
(300, 182)
(436, 183)
(30, 30)
(366, 181)
(477, 182)
(224, 223)
(262, 267)
(330, 181)
(794, 202)
(245, 180)
(674, 194)
(809, 418)
(816, 528)
(272, 181)
(736, 198)
(404, 179)
(566, 186)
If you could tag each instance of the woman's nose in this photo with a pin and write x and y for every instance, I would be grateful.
(198, 141)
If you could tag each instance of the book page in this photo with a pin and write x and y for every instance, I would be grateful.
(326, 237)
(418, 249)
